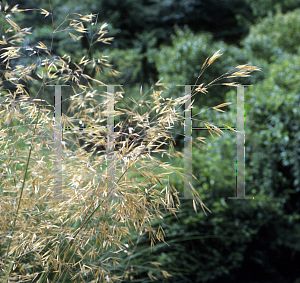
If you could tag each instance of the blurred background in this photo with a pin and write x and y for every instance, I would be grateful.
(250, 241)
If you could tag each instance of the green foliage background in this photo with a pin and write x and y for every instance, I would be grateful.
(241, 240)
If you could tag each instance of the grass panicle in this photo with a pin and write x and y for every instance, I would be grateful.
(81, 236)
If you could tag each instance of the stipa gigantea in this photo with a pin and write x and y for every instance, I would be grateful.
(53, 239)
